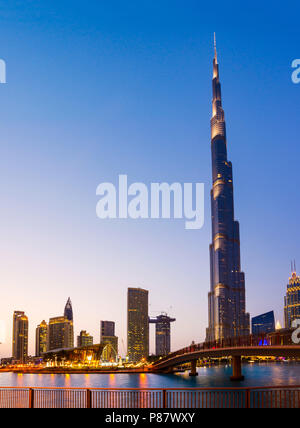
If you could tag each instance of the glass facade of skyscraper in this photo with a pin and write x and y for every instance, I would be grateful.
(20, 336)
(264, 323)
(41, 337)
(107, 328)
(138, 324)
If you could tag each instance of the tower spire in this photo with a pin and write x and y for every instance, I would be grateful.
(215, 48)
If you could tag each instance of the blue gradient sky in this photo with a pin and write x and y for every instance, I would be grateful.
(100, 89)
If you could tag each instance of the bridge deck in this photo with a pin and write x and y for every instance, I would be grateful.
(245, 351)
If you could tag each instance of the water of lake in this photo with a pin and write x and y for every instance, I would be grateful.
(255, 375)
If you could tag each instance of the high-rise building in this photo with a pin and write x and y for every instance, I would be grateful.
(263, 324)
(84, 339)
(41, 338)
(60, 333)
(68, 314)
(20, 336)
(292, 299)
(137, 324)
(162, 334)
(227, 302)
(107, 328)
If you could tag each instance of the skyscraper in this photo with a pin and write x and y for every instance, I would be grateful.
(107, 328)
(292, 299)
(263, 324)
(84, 339)
(68, 314)
(41, 337)
(162, 334)
(20, 336)
(60, 333)
(227, 302)
(137, 324)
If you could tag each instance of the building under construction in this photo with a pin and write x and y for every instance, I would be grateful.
(162, 334)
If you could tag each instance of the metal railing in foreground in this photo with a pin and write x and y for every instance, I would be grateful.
(167, 398)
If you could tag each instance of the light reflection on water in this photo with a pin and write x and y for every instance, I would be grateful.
(143, 380)
(112, 381)
(256, 375)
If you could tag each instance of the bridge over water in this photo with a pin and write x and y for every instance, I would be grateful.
(248, 346)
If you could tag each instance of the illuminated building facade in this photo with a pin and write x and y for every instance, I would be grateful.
(41, 338)
(60, 333)
(107, 328)
(227, 302)
(110, 348)
(109, 341)
(84, 339)
(263, 324)
(162, 334)
(82, 355)
(137, 324)
(292, 299)
(20, 336)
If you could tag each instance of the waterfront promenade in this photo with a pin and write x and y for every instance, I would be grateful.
(66, 370)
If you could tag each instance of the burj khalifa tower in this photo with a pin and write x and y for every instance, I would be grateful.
(226, 299)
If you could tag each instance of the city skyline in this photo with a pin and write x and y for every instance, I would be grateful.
(55, 150)
(138, 321)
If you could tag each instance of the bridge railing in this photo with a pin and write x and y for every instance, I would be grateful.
(170, 398)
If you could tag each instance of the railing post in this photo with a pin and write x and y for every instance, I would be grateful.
(88, 399)
(248, 399)
(165, 404)
(31, 398)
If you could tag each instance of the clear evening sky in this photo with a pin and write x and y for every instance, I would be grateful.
(101, 88)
